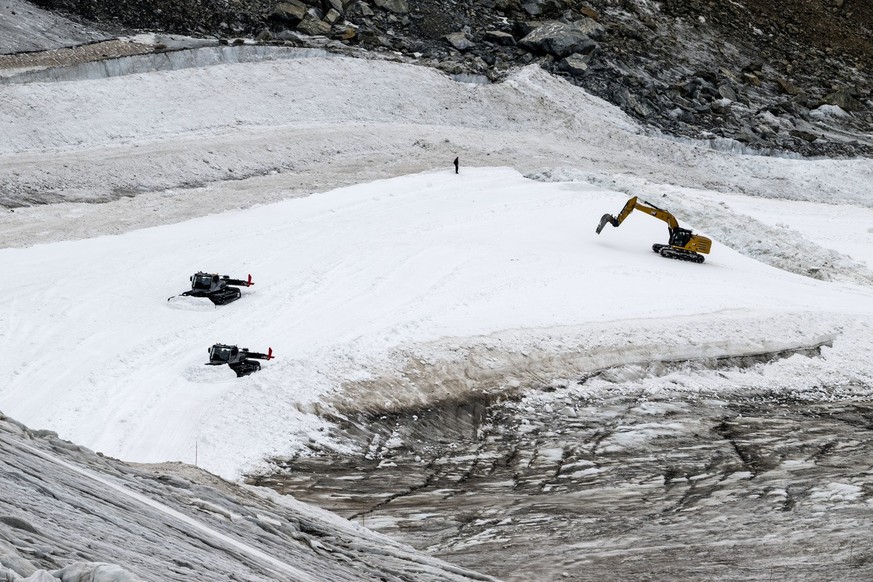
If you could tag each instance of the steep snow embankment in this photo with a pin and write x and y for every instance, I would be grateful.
(349, 281)
(84, 517)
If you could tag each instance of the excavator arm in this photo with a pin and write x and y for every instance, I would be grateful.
(683, 244)
(634, 204)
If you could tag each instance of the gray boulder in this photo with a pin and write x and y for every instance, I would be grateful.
(575, 64)
(532, 8)
(398, 6)
(844, 100)
(312, 26)
(500, 37)
(727, 92)
(459, 40)
(561, 39)
(291, 11)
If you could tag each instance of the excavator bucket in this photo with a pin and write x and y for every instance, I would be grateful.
(606, 218)
(617, 220)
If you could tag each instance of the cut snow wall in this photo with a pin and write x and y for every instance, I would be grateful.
(165, 61)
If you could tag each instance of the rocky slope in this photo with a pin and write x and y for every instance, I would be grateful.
(776, 76)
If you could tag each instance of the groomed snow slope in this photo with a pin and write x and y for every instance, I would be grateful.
(349, 282)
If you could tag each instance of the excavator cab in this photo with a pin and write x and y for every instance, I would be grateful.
(679, 237)
(683, 239)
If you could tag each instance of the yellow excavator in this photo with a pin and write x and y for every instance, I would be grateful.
(683, 245)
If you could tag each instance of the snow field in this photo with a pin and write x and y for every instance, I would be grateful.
(343, 280)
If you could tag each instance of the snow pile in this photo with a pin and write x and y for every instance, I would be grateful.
(292, 130)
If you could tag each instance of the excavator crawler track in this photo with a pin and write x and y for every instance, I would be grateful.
(669, 252)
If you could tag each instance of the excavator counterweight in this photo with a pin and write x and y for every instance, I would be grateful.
(682, 244)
